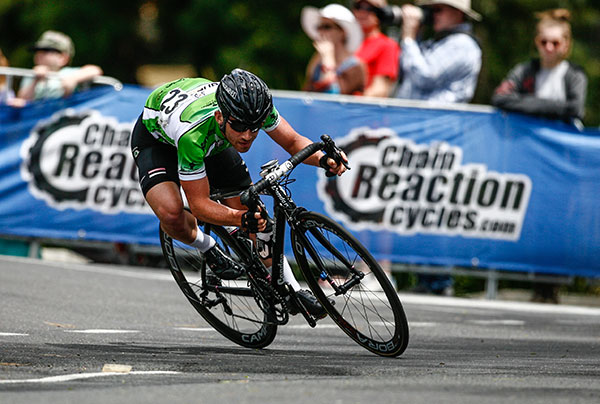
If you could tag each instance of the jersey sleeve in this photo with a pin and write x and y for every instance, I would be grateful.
(190, 157)
(272, 121)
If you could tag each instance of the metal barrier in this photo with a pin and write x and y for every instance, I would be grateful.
(491, 276)
(11, 72)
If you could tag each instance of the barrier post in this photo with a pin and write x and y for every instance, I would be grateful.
(491, 285)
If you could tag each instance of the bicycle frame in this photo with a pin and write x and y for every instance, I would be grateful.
(284, 212)
(339, 270)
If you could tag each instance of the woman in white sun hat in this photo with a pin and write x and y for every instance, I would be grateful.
(336, 35)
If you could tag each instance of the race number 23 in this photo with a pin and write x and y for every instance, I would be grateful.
(172, 100)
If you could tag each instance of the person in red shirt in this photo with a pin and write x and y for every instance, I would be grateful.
(379, 52)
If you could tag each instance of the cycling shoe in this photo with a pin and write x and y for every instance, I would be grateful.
(313, 306)
(221, 264)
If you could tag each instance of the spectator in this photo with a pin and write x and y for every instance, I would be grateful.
(377, 51)
(6, 93)
(443, 69)
(446, 67)
(52, 54)
(549, 86)
(336, 34)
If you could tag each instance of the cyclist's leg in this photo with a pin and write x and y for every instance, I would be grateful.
(165, 200)
(159, 181)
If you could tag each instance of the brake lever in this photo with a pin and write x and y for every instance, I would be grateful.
(265, 215)
(333, 151)
(255, 204)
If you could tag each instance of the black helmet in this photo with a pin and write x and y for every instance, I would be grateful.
(245, 97)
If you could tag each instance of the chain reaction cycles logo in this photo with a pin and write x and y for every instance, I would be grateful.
(82, 160)
(410, 188)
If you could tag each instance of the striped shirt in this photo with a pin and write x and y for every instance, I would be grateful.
(444, 70)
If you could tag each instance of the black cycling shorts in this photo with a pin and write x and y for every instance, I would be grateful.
(157, 162)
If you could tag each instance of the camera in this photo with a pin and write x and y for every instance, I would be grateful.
(392, 15)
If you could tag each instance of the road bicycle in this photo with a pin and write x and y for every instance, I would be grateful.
(342, 274)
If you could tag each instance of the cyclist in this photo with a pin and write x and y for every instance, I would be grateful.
(190, 134)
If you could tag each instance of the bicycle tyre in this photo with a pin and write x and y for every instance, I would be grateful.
(238, 317)
(370, 311)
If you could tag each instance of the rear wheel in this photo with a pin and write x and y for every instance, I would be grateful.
(228, 306)
(339, 269)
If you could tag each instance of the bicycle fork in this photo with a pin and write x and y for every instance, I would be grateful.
(356, 275)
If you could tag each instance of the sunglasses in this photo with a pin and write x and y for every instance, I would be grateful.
(364, 6)
(326, 27)
(545, 42)
(48, 50)
(437, 10)
(240, 126)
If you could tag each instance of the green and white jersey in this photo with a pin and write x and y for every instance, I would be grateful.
(182, 114)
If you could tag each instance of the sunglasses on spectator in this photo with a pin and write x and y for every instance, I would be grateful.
(240, 126)
(47, 50)
(326, 27)
(554, 43)
(364, 6)
(437, 10)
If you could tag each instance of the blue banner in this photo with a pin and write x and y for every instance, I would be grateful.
(464, 187)
(66, 170)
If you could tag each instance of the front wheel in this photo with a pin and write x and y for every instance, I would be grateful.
(229, 306)
(339, 269)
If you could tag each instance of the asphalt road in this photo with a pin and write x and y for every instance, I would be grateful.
(62, 324)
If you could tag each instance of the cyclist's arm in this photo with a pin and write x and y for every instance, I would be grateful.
(293, 142)
(205, 209)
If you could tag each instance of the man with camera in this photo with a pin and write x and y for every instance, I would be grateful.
(446, 67)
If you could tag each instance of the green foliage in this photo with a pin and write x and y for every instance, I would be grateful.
(466, 285)
(405, 280)
(263, 36)
(583, 286)
(103, 32)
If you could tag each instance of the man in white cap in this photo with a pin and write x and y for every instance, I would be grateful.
(446, 67)
(52, 54)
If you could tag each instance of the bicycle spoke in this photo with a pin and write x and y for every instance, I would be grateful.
(351, 285)
(229, 306)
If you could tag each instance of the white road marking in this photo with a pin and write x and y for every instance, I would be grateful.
(116, 368)
(78, 376)
(498, 322)
(207, 329)
(100, 331)
(422, 324)
(147, 274)
(12, 334)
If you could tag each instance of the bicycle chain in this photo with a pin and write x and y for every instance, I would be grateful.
(263, 285)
